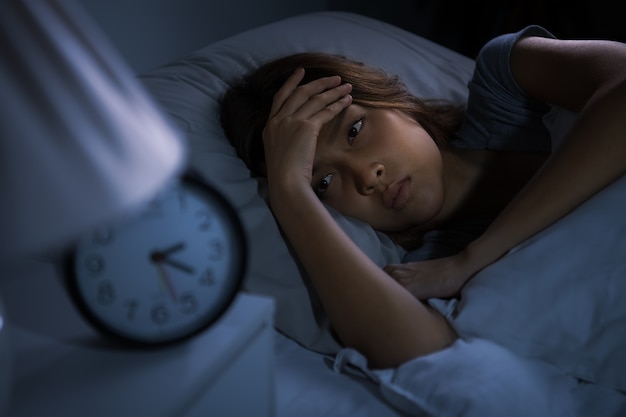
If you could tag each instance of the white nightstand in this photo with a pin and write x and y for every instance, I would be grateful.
(226, 371)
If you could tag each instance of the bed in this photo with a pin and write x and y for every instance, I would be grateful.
(543, 330)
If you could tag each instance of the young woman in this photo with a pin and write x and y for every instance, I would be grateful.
(321, 127)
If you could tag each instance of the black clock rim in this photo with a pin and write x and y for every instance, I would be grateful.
(192, 178)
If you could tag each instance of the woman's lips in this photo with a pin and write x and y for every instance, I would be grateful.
(397, 194)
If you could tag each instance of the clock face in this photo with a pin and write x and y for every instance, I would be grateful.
(167, 273)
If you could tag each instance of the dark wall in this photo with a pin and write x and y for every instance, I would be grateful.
(149, 33)
(465, 25)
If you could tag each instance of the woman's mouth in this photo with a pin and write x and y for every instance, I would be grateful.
(397, 194)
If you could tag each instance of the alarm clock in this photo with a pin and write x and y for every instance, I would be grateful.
(165, 273)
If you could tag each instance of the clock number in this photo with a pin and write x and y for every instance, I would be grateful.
(132, 306)
(208, 277)
(188, 304)
(205, 220)
(216, 250)
(94, 264)
(103, 235)
(160, 315)
(106, 293)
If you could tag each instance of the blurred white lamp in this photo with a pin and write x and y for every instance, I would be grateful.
(80, 140)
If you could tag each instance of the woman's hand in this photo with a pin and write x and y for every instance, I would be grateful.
(296, 118)
(438, 278)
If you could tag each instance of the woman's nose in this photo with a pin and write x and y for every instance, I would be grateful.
(368, 177)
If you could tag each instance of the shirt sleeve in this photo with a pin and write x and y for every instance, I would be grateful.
(500, 116)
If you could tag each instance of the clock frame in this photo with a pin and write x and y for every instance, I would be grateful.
(164, 274)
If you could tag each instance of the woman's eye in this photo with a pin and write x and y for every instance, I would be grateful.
(354, 130)
(322, 186)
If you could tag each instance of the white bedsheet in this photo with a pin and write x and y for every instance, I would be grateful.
(308, 386)
(476, 378)
(472, 378)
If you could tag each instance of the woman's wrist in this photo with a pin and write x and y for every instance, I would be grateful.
(289, 193)
(476, 256)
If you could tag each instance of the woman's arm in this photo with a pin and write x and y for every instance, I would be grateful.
(588, 77)
(368, 310)
(585, 76)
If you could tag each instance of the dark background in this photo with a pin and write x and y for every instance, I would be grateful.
(465, 26)
(149, 33)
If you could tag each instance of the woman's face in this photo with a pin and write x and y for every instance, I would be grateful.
(379, 166)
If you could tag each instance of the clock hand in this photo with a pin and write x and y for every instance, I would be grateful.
(178, 265)
(165, 278)
(162, 257)
(175, 248)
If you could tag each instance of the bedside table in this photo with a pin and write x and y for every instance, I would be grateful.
(226, 371)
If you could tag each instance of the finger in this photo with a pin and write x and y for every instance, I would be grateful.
(398, 272)
(402, 268)
(329, 112)
(290, 99)
(285, 91)
(329, 102)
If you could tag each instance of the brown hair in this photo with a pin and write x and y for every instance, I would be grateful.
(245, 107)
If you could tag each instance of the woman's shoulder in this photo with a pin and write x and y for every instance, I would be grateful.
(493, 68)
(499, 48)
(500, 115)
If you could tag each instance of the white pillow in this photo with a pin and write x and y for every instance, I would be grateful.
(189, 90)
